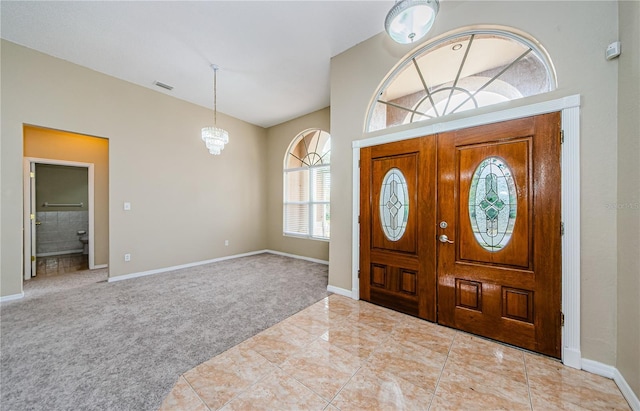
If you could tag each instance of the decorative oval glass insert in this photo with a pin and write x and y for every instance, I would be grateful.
(394, 204)
(493, 204)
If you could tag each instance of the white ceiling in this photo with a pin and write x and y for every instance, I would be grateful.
(273, 55)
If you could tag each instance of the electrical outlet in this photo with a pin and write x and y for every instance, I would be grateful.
(226, 243)
(127, 257)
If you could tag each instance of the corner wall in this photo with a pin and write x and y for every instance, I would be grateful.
(575, 34)
(278, 140)
(628, 204)
(184, 201)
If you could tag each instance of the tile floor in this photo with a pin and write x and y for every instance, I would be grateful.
(341, 354)
(61, 264)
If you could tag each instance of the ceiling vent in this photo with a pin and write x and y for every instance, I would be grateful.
(164, 86)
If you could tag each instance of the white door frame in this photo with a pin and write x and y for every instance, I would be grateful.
(570, 158)
(26, 250)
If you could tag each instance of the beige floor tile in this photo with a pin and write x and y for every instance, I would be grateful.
(473, 402)
(488, 355)
(553, 384)
(375, 390)
(182, 397)
(362, 356)
(225, 376)
(376, 317)
(356, 338)
(424, 333)
(462, 384)
(322, 367)
(414, 363)
(277, 391)
(279, 342)
(315, 320)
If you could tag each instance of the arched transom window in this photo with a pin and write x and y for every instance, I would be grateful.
(461, 72)
(307, 185)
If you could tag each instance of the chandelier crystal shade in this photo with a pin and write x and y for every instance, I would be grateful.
(410, 20)
(215, 137)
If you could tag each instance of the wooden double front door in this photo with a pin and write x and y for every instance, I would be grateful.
(463, 228)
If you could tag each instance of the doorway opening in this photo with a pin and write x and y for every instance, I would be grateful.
(65, 181)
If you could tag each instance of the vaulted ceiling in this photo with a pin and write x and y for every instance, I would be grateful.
(274, 56)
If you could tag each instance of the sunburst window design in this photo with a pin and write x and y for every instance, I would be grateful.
(459, 73)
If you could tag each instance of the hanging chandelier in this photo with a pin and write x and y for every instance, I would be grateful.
(410, 20)
(214, 137)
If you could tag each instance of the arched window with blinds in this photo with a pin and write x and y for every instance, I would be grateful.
(307, 185)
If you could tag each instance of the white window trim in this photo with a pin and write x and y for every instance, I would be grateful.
(570, 158)
(310, 203)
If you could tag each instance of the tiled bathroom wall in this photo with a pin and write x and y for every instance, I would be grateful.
(58, 231)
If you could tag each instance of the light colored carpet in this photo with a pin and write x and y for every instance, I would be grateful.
(121, 346)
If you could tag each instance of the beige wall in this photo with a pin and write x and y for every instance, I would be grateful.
(185, 202)
(279, 137)
(628, 210)
(61, 185)
(60, 145)
(575, 34)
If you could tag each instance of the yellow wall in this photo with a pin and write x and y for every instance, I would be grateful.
(60, 145)
(280, 137)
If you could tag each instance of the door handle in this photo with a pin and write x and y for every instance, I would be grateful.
(38, 222)
(444, 239)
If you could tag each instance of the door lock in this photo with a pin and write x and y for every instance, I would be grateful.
(443, 224)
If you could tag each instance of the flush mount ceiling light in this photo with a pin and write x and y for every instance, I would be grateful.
(214, 137)
(410, 20)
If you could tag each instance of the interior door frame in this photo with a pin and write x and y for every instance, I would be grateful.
(27, 251)
(570, 158)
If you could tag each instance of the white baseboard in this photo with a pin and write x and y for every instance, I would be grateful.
(626, 390)
(11, 297)
(610, 372)
(299, 257)
(572, 358)
(95, 267)
(215, 260)
(340, 291)
(178, 267)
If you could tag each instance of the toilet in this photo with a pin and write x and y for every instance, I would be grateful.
(84, 239)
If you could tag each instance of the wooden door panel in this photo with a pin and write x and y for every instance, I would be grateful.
(506, 290)
(408, 165)
(399, 272)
